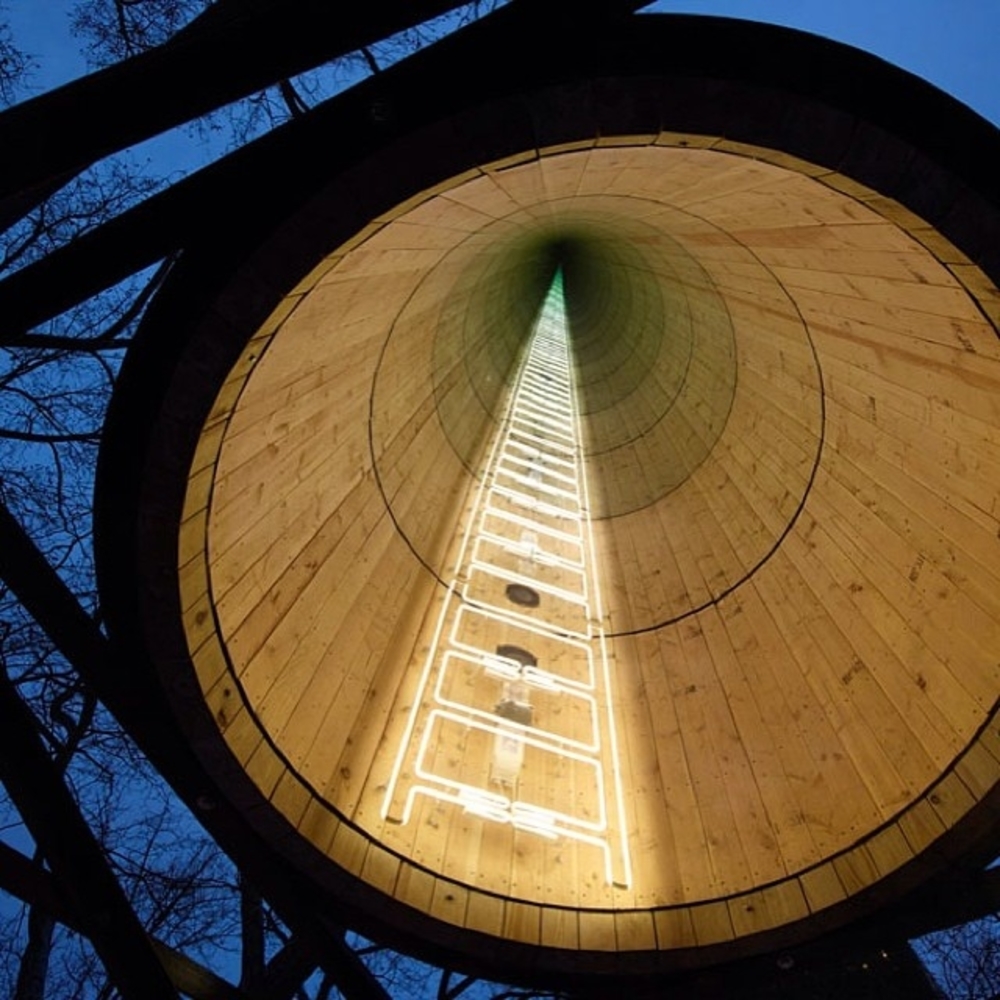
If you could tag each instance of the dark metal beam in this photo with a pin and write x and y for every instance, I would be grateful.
(295, 159)
(244, 48)
(15, 207)
(74, 855)
(959, 898)
(24, 879)
(121, 247)
(288, 970)
(49, 601)
(35, 886)
(353, 978)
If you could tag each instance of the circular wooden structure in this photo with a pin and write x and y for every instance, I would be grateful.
(784, 307)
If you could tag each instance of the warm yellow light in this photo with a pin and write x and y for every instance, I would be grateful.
(517, 671)
(794, 656)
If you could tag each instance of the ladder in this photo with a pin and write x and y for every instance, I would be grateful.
(518, 681)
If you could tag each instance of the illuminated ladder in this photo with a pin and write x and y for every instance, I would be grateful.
(518, 674)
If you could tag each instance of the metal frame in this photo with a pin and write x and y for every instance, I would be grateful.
(80, 881)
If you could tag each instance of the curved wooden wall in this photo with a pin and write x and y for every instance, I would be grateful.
(800, 541)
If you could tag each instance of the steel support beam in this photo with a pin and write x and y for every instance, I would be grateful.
(243, 48)
(74, 855)
(49, 811)
(50, 602)
(168, 221)
(236, 48)
(284, 974)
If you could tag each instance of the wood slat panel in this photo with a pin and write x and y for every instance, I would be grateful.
(798, 722)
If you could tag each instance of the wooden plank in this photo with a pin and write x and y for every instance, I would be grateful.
(785, 200)
(958, 548)
(263, 464)
(381, 869)
(718, 763)
(449, 902)
(652, 841)
(877, 235)
(191, 538)
(921, 825)
(635, 930)
(712, 923)
(950, 799)
(206, 452)
(793, 782)
(223, 703)
(937, 365)
(484, 913)
(978, 285)
(241, 732)
(856, 869)
(989, 737)
(900, 263)
(287, 561)
(560, 928)
(278, 677)
(597, 931)
(889, 849)
(415, 888)
(522, 921)
(294, 501)
(841, 748)
(342, 725)
(265, 767)
(786, 902)
(701, 178)
(290, 797)
(940, 296)
(199, 489)
(794, 756)
(770, 811)
(484, 195)
(834, 580)
(368, 720)
(932, 458)
(685, 824)
(674, 928)
(757, 912)
(211, 666)
(822, 887)
(192, 579)
(936, 661)
(319, 825)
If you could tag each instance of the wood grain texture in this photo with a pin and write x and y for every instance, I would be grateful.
(805, 622)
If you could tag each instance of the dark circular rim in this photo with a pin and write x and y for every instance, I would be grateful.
(776, 89)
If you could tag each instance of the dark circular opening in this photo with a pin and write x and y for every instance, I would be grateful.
(522, 656)
(519, 593)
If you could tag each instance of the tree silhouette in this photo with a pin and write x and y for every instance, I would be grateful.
(965, 959)
(210, 927)
(55, 383)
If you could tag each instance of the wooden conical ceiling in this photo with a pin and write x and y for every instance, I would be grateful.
(781, 710)
(791, 416)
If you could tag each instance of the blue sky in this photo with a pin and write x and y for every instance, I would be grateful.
(41, 28)
(952, 43)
